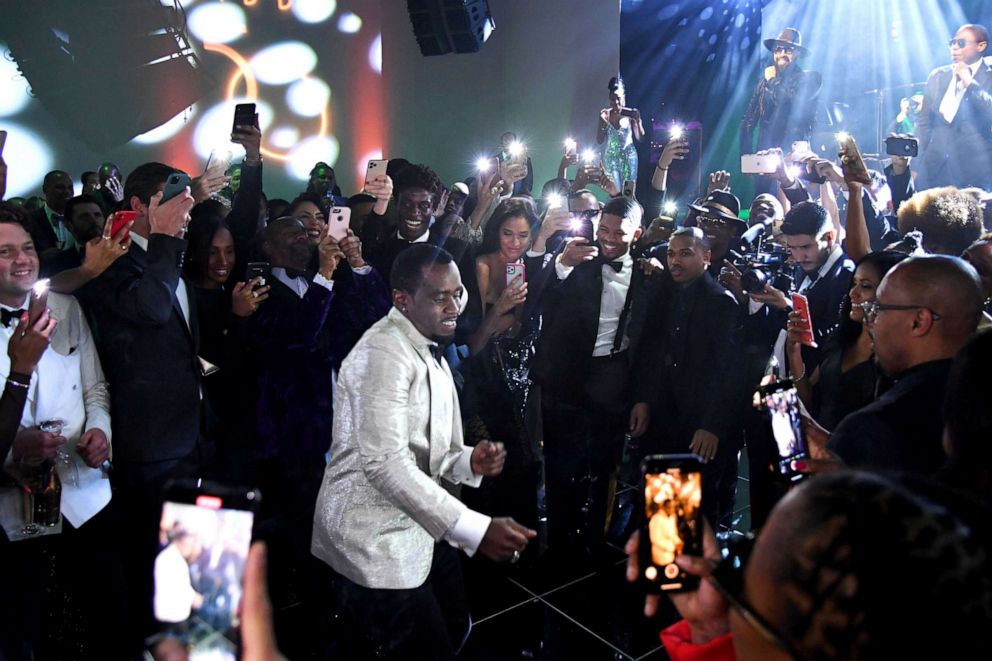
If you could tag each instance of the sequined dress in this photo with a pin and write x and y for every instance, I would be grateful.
(620, 154)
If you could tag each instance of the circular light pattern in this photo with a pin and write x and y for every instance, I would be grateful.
(308, 97)
(214, 128)
(284, 62)
(350, 23)
(309, 151)
(706, 13)
(32, 156)
(314, 11)
(166, 130)
(217, 22)
(284, 137)
(13, 88)
(375, 54)
(361, 164)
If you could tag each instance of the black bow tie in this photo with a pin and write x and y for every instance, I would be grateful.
(293, 274)
(616, 266)
(6, 316)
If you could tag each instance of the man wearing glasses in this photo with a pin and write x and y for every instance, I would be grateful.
(783, 104)
(955, 125)
(925, 310)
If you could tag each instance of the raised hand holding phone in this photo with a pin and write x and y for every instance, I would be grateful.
(800, 324)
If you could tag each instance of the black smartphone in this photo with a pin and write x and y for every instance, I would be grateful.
(244, 115)
(204, 536)
(781, 401)
(901, 146)
(673, 520)
(174, 185)
(259, 270)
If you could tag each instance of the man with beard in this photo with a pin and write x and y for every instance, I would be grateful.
(783, 105)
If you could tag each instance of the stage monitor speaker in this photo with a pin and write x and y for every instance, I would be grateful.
(450, 26)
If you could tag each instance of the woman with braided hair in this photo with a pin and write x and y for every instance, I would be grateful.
(850, 565)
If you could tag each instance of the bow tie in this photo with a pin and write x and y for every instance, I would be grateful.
(6, 316)
(616, 266)
(293, 274)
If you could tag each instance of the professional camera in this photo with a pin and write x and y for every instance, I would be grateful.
(759, 266)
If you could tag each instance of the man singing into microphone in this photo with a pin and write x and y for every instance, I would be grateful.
(955, 125)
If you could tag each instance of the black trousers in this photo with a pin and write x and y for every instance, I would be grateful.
(583, 445)
(427, 622)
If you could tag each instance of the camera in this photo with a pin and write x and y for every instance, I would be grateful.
(760, 266)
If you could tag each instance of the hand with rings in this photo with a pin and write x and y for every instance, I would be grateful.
(247, 296)
(104, 250)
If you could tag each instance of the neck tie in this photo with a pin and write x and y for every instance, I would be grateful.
(6, 316)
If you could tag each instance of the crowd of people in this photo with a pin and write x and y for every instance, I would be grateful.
(517, 346)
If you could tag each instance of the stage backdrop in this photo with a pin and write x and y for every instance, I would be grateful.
(335, 80)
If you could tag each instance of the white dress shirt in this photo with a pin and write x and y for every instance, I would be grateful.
(68, 384)
(951, 102)
(611, 302)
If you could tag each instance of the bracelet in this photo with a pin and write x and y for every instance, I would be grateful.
(658, 167)
(801, 376)
(18, 384)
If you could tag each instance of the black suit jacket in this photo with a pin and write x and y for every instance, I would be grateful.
(782, 109)
(43, 237)
(959, 153)
(569, 327)
(148, 352)
(704, 389)
(825, 296)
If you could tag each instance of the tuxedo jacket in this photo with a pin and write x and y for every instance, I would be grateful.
(43, 237)
(958, 153)
(570, 309)
(825, 297)
(148, 351)
(702, 390)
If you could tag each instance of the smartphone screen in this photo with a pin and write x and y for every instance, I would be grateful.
(204, 537)
(782, 404)
(38, 301)
(629, 186)
(258, 270)
(673, 491)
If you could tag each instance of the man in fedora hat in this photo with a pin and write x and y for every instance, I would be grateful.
(718, 217)
(783, 104)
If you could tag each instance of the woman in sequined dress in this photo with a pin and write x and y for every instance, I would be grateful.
(622, 129)
(495, 402)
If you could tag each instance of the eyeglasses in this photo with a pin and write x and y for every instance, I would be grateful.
(872, 308)
(960, 43)
(728, 579)
(588, 214)
(712, 221)
(785, 49)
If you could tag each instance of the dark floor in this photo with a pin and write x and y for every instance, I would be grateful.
(587, 611)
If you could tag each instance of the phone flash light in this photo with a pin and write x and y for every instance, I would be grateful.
(570, 144)
(793, 171)
(516, 148)
(554, 200)
(677, 132)
(668, 208)
(843, 136)
(482, 164)
(588, 156)
(209, 502)
(40, 287)
(576, 225)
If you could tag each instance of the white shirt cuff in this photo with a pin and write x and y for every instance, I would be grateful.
(323, 282)
(561, 270)
(468, 531)
(362, 270)
(753, 306)
(461, 471)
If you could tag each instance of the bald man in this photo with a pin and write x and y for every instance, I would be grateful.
(925, 310)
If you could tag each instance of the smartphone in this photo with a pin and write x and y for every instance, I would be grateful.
(810, 174)
(377, 167)
(259, 270)
(781, 401)
(852, 164)
(244, 115)
(571, 147)
(759, 164)
(204, 536)
(3, 140)
(176, 184)
(801, 304)
(629, 186)
(119, 219)
(514, 271)
(901, 146)
(38, 302)
(338, 222)
(800, 147)
(673, 520)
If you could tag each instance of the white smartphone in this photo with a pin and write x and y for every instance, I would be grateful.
(515, 271)
(377, 167)
(218, 163)
(338, 222)
(800, 147)
(759, 164)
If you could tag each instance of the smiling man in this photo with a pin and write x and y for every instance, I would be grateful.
(955, 125)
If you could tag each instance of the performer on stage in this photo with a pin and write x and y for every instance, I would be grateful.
(783, 104)
(955, 126)
(622, 129)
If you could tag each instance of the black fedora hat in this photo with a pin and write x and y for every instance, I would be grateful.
(789, 37)
(722, 204)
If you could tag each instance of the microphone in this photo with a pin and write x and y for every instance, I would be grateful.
(757, 231)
